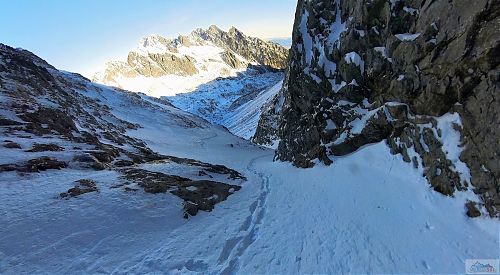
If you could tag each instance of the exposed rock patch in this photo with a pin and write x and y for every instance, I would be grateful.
(37, 147)
(207, 167)
(11, 145)
(82, 186)
(197, 195)
(88, 161)
(35, 165)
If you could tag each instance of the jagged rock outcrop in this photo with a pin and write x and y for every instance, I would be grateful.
(207, 54)
(422, 75)
(160, 64)
(253, 49)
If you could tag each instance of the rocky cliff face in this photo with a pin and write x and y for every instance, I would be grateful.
(253, 49)
(197, 58)
(422, 75)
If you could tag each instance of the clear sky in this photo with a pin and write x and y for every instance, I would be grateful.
(80, 35)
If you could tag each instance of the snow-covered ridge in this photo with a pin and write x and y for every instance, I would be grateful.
(164, 67)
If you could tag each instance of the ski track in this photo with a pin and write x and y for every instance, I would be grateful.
(228, 261)
(249, 231)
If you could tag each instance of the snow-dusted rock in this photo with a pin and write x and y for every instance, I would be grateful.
(407, 72)
(165, 67)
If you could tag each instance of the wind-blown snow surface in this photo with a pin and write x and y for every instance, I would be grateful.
(367, 213)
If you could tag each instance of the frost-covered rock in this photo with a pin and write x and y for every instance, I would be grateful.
(421, 75)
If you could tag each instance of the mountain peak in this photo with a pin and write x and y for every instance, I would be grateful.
(214, 28)
(235, 32)
(154, 43)
(194, 55)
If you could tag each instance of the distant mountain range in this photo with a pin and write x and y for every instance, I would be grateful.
(283, 41)
(164, 67)
(210, 73)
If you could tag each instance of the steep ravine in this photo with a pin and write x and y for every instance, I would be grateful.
(421, 75)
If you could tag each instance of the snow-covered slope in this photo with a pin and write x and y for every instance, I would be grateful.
(52, 120)
(369, 213)
(243, 121)
(235, 103)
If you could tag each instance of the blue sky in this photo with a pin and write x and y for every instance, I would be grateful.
(80, 35)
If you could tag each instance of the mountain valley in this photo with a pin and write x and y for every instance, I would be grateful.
(369, 146)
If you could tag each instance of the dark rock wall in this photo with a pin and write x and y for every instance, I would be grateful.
(423, 75)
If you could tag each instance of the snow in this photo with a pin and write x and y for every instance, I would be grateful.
(359, 123)
(367, 213)
(214, 101)
(206, 58)
(347, 221)
(411, 11)
(333, 40)
(336, 87)
(315, 78)
(353, 57)
(191, 188)
(170, 85)
(450, 138)
(336, 29)
(330, 125)
(306, 38)
(320, 43)
(213, 93)
(407, 36)
(152, 44)
(244, 120)
(203, 53)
